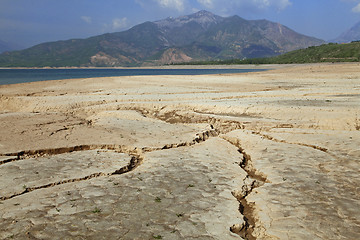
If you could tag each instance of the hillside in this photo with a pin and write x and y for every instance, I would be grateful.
(331, 52)
(325, 53)
(199, 36)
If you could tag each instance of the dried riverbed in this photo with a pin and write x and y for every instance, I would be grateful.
(268, 155)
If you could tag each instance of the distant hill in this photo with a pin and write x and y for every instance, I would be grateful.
(199, 36)
(353, 34)
(332, 52)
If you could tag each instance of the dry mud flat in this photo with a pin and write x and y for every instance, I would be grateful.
(269, 155)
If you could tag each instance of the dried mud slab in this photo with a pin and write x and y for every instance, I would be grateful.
(268, 155)
(31, 173)
(175, 194)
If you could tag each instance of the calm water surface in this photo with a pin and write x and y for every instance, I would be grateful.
(12, 76)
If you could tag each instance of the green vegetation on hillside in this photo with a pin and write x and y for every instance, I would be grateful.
(331, 52)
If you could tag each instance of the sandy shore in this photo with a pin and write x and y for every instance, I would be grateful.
(266, 155)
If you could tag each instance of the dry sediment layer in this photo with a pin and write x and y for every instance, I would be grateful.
(269, 155)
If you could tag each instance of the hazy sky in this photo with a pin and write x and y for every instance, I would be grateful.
(29, 22)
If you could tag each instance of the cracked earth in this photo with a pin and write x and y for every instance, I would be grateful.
(268, 155)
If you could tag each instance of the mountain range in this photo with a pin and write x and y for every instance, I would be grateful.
(199, 36)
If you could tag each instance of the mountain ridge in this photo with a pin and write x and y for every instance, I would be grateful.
(204, 18)
(353, 34)
(199, 36)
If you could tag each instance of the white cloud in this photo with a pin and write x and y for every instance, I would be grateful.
(261, 3)
(140, 2)
(119, 23)
(178, 5)
(86, 19)
(207, 3)
(230, 5)
(223, 7)
(356, 9)
(282, 4)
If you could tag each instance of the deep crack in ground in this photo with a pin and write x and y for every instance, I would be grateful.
(253, 180)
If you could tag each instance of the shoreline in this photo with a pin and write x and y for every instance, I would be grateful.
(235, 66)
(238, 66)
(21, 75)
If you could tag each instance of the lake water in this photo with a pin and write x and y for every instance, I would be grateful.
(12, 76)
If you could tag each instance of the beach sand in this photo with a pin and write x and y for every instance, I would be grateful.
(266, 155)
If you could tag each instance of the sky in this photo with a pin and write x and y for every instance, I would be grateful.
(30, 22)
